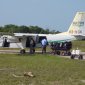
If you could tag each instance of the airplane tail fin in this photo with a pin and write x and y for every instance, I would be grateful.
(77, 28)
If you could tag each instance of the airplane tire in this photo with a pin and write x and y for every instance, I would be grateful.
(58, 52)
(22, 51)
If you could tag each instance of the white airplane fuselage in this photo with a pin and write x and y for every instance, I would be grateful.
(76, 31)
(59, 37)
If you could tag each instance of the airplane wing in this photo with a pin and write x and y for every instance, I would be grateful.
(24, 34)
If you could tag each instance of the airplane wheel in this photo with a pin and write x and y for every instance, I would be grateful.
(58, 52)
(22, 51)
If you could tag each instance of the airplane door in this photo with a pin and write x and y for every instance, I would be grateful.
(28, 42)
(39, 40)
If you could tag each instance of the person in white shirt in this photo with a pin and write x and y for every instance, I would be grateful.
(44, 45)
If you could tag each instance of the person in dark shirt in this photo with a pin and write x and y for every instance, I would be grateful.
(32, 46)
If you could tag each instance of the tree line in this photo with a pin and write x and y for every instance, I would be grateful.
(10, 28)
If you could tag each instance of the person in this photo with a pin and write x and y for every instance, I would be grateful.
(32, 46)
(52, 45)
(5, 42)
(44, 44)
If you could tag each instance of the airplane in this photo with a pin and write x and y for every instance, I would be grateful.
(76, 31)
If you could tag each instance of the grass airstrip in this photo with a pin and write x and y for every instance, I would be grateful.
(48, 69)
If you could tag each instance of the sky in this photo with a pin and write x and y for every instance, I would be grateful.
(48, 14)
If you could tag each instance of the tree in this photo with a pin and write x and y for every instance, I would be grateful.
(35, 29)
(24, 29)
(10, 28)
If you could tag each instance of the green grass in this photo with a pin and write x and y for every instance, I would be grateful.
(48, 70)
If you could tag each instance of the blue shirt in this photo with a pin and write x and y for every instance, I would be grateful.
(44, 42)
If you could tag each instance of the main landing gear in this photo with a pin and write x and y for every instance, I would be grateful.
(22, 51)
